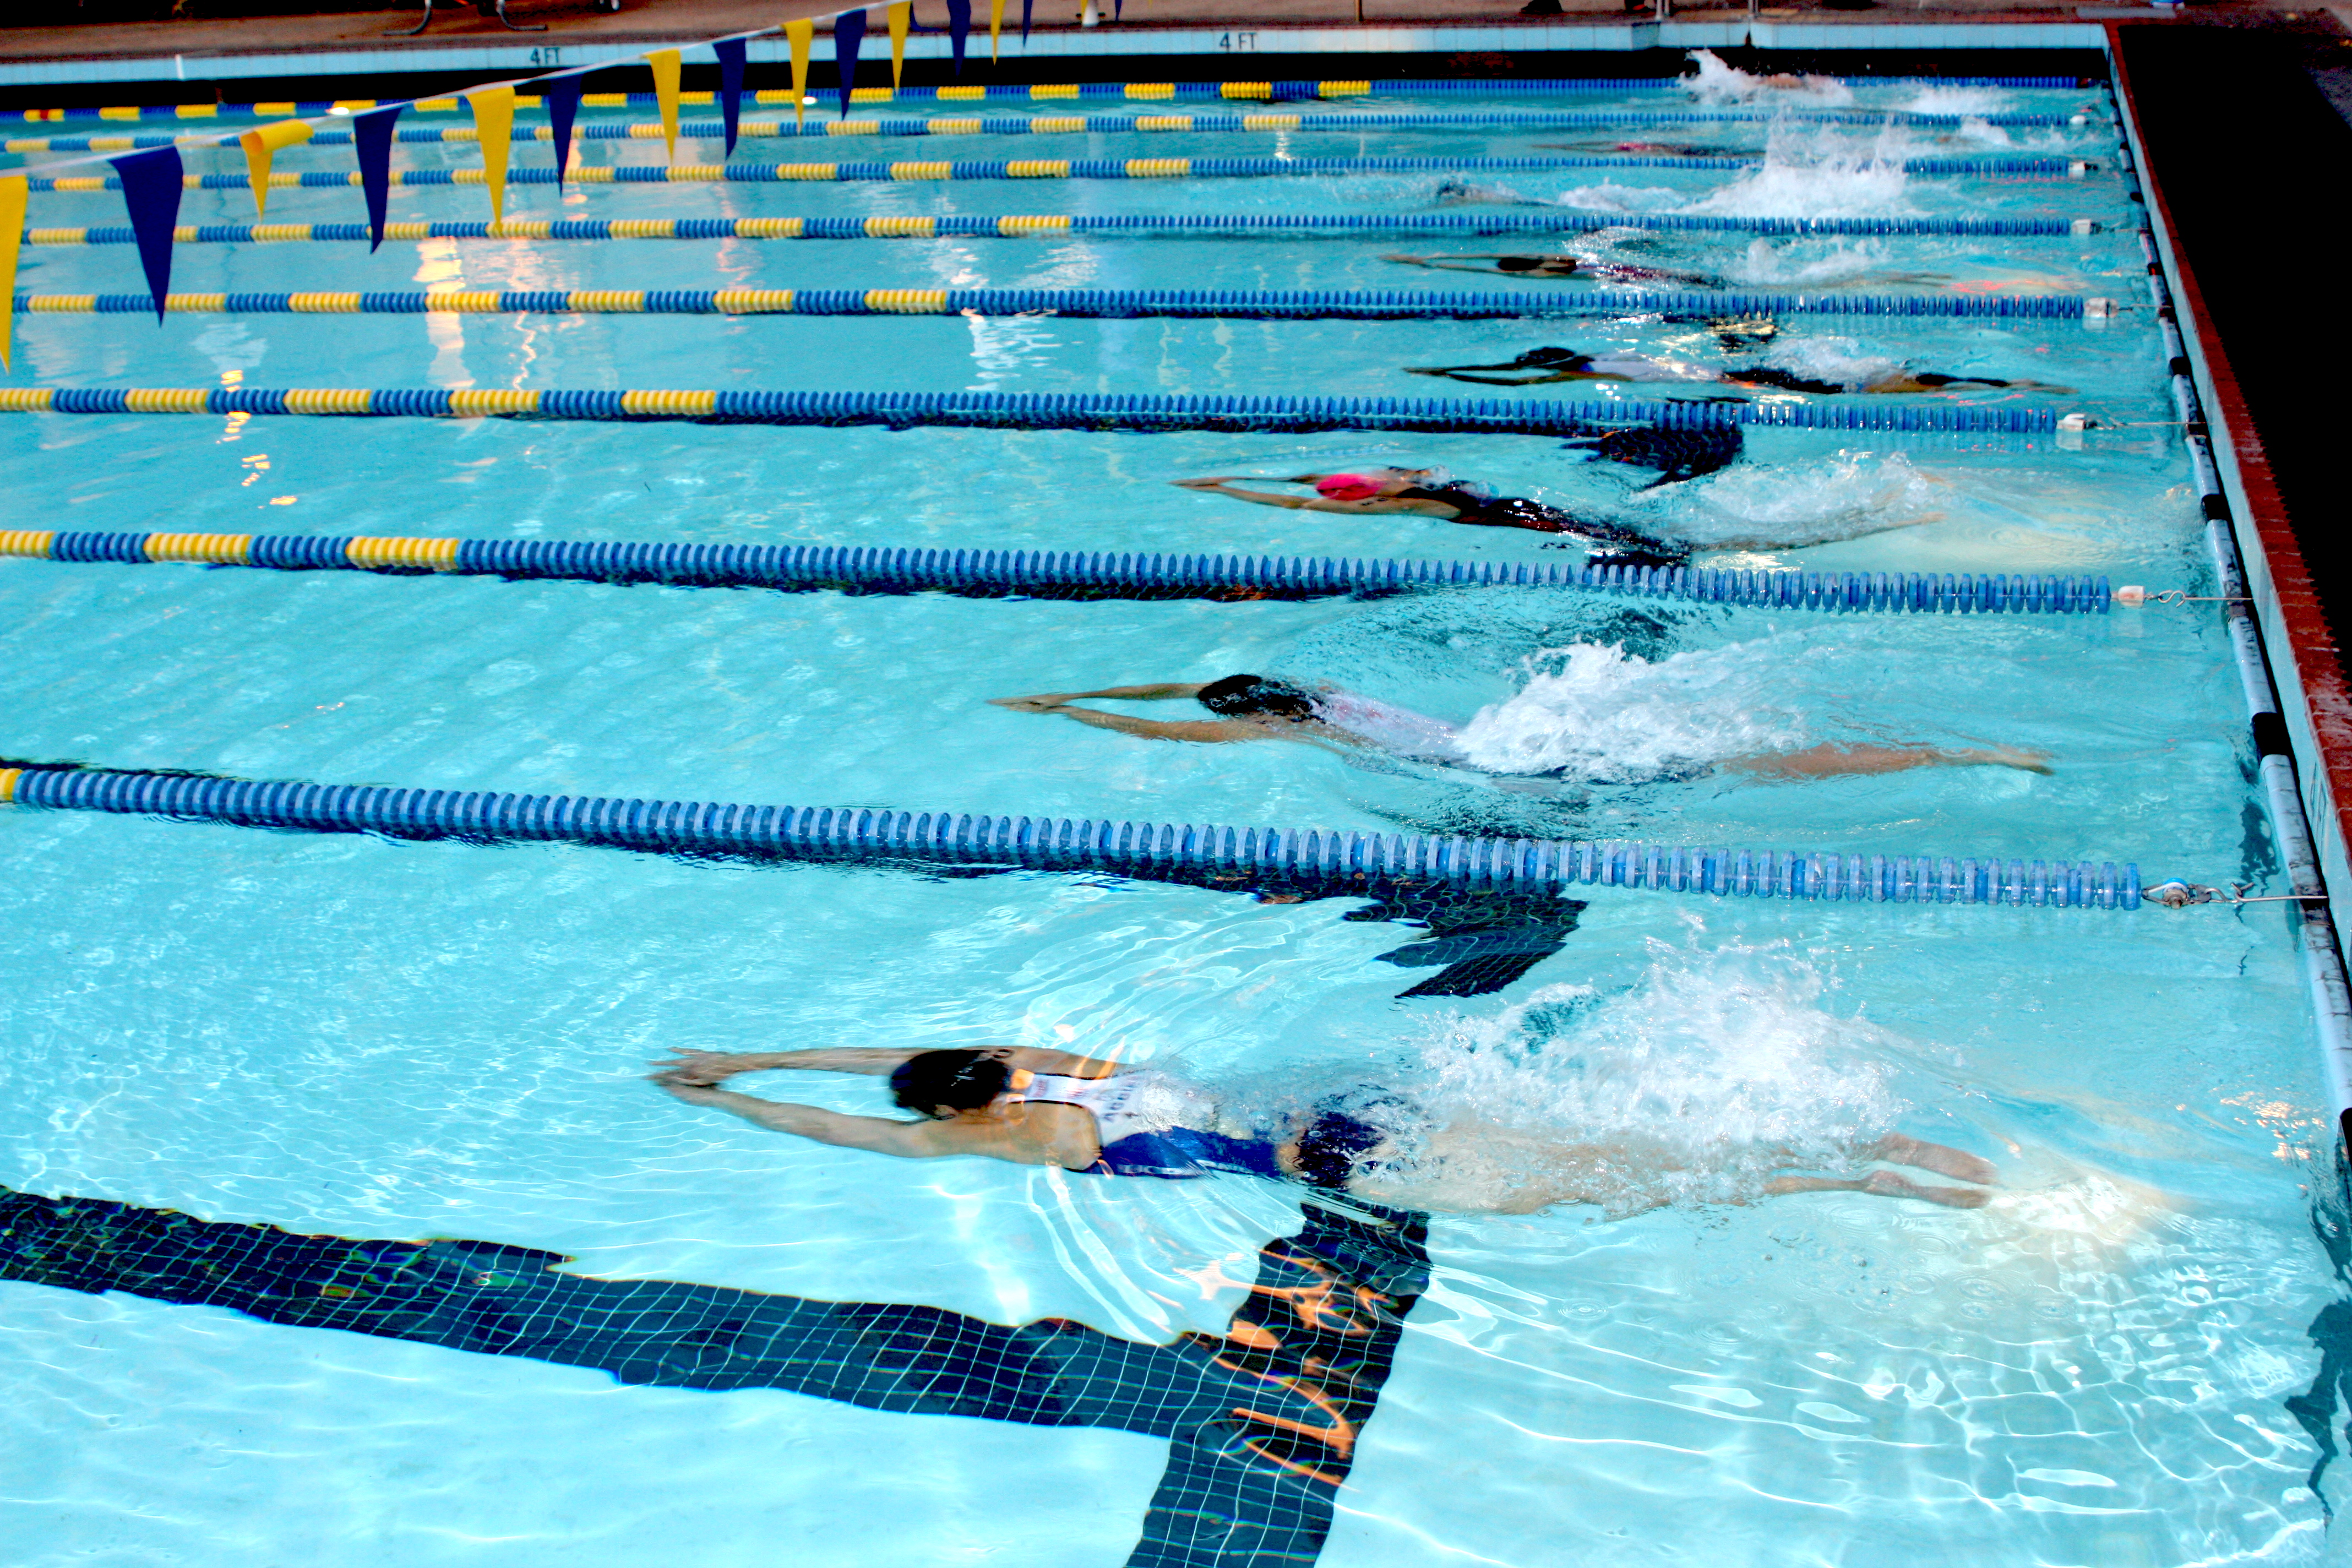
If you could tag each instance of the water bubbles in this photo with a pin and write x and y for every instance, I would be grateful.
(1600, 714)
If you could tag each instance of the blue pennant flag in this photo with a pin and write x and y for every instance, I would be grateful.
(150, 189)
(958, 29)
(561, 96)
(848, 38)
(730, 86)
(372, 136)
(1025, 6)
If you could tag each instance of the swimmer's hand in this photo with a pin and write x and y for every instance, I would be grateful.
(699, 1069)
(2023, 758)
(1044, 702)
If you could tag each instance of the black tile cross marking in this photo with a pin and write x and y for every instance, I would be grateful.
(1261, 1426)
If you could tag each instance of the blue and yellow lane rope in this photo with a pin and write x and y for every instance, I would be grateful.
(1342, 121)
(889, 569)
(1502, 220)
(1140, 413)
(1043, 169)
(1277, 304)
(1035, 92)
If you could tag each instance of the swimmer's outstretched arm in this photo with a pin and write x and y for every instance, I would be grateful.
(704, 1069)
(1441, 263)
(1379, 504)
(1831, 761)
(1202, 730)
(1452, 375)
(906, 1139)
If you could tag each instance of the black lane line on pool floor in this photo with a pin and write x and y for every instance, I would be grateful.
(1261, 1426)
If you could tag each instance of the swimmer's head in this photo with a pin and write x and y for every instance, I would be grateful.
(1349, 486)
(1247, 695)
(941, 1083)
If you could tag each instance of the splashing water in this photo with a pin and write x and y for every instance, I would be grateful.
(1811, 262)
(1964, 101)
(1609, 196)
(1596, 713)
(1713, 1072)
(1719, 83)
(1813, 172)
(1788, 506)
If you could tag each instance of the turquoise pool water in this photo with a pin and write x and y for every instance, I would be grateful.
(359, 1039)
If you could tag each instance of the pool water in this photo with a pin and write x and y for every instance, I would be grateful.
(359, 1039)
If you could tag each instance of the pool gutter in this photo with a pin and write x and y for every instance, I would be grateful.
(2291, 753)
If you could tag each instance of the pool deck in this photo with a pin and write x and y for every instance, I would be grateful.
(458, 37)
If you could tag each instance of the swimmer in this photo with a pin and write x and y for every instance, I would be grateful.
(1515, 266)
(1432, 492)
(1034, 1106)
(1545, 365)
(1463, 193)
(1256, 707)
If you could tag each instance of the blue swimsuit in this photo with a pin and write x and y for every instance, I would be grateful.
(1139, 1118)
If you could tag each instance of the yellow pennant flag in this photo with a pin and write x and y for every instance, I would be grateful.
(12, 233)
(493, 110)
(259, 146)
(902, 16)
(800, 34)
(666, 64)
(995, 26)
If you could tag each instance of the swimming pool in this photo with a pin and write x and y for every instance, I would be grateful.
(356, 1037)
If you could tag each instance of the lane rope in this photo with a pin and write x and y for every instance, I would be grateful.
(1048, 573)
(953, 226)
(1135, 412)
(1351, 859)
(1039, 92)
(1041, 169)
(1309, 120)
(1243, 304)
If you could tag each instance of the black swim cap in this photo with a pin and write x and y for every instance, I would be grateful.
(948, 1080)
(1238, 695)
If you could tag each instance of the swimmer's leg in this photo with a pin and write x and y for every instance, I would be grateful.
(1878, 1184)
(1899, 1149)
(1830, 760)
(1491, 380)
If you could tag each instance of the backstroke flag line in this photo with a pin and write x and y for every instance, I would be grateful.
(260, 144)
(150, 189)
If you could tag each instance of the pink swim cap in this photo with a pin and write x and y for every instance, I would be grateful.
(1347, 487)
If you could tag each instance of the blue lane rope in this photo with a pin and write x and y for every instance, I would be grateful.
(1136, 412)
(1060, 168)
(954, 227)
(1231, 91)
(1228, 304)
(1045, 122)
(1049, 573)
(1342, 858)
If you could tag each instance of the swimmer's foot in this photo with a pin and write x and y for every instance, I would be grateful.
(1878, 1183)
(1898, 1149)
(1887, 1184)
(2023, 758)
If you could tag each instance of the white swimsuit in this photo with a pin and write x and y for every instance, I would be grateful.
(1398, 730)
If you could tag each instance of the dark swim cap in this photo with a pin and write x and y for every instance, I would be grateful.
(1238, 696)
(948, 1080)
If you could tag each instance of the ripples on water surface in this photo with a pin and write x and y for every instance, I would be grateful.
(359, 1039)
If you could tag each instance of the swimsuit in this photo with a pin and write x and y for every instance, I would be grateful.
(1400, 732)
(1620, 545)
(1139, 1120)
